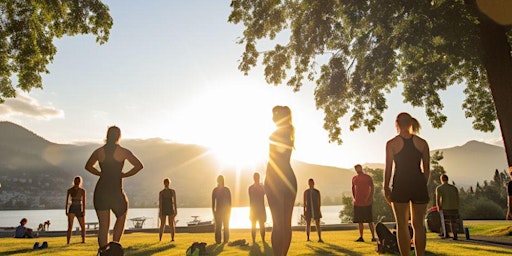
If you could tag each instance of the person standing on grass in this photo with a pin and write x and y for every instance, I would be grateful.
(221, 207)
(75, 207)
(410, 155)
(257, 207)
(362, 191)
(312, 204)
(447, 201)
(280, 181)
(108, 193)
(167, 208)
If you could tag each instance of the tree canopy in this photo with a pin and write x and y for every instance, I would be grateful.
(27, 31)
(357, 51)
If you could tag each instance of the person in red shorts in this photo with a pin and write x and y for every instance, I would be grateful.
(362, 191)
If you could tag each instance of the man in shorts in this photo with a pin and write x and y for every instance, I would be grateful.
(257, 207)
(362, 191)
(447, 200)
(312, 205)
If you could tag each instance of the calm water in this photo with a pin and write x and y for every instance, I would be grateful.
(239, 217)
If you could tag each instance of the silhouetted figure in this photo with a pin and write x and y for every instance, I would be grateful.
(312, 204)
(280, 181)
(257, 207)
(167, 208)
(22, 231)
(408, 151)
(47, 223)
(509, 197)
(75, 207)
(221, 207)
(109, 194)
(447, 201)
(362, 191)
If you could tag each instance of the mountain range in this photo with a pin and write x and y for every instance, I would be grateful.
(35, 173)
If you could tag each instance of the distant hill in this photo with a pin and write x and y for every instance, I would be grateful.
(35, 173)
(472, 162)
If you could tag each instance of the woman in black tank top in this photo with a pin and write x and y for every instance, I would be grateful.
(75, 207)
(109, 194)
(167, 208)
(408, 195)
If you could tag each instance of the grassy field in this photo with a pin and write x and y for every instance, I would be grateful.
(336, 243)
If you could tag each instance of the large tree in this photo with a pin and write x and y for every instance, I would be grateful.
(27, 31)
(357, 51)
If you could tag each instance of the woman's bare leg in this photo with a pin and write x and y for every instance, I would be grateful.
(171, 226)
(401, 211)
(81, 221)
(71, 217)
(104, 223)
(119, 227)
(162, 227)
(420, 237)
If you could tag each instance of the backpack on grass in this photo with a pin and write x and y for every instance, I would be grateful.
(111, 249)
(387, 242)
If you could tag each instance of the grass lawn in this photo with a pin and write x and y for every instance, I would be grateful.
(336, 243)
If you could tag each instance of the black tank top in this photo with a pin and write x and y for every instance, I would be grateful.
(111, 169)
(407, 161)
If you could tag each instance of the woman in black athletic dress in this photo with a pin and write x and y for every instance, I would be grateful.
(75, 207)
(409, 153)
(109, 194)
(167, 208)
(280, 181)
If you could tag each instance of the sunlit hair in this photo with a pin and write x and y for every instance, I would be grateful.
(282, 116)
(77, 181)
(404, 121)
(113, 135)
(167, 181)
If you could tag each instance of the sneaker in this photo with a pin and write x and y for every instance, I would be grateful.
(320, 241)
(360, 239)
(374, 239)
(455, 238)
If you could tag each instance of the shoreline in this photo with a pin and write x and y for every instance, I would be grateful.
(9, 231)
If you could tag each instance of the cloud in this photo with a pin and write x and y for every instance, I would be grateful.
(24, 105)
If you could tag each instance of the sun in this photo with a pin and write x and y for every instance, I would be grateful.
(233, 122)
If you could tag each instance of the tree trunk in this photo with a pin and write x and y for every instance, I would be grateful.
(497, 61)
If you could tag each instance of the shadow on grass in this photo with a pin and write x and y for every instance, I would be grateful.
(257, 250)
(215, 249)
(332, 247)
(17, 251)
(147, 249)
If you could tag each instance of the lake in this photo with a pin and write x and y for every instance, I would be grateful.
(239, 217)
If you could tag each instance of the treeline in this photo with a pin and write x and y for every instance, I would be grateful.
(484, 201)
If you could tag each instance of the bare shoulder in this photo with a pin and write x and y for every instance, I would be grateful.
(420, 143)
(124, 151)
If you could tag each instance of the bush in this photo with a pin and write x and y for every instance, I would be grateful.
(482, 209)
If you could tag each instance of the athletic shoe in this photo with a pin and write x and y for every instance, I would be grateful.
(360, 239)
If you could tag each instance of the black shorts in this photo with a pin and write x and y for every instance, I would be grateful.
(363, 214)
(451, 214)
(258, 214)
(116, 201)
(76, 209)
(410, 189)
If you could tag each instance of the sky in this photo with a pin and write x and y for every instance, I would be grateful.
(169, 70)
